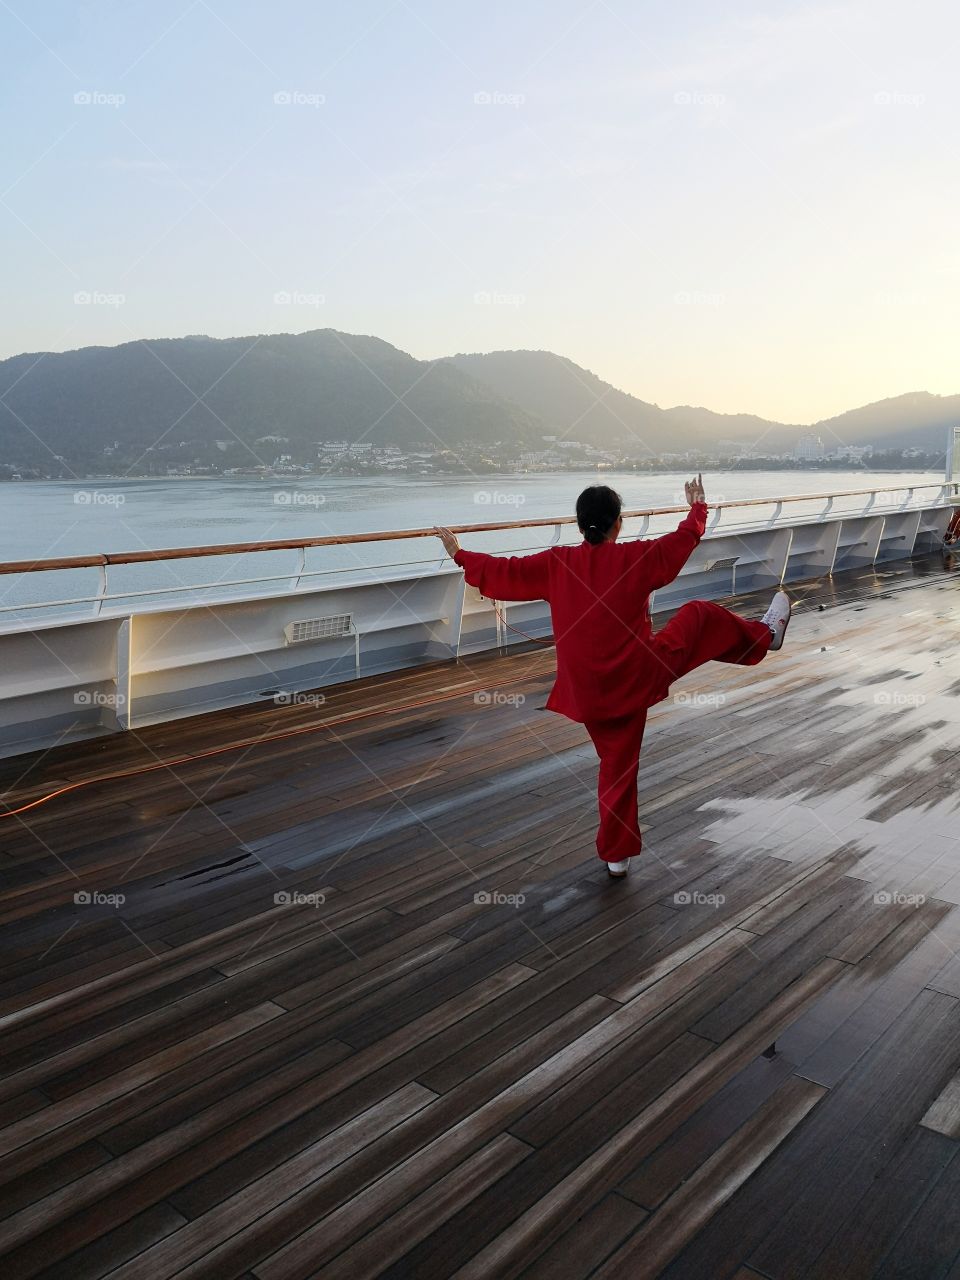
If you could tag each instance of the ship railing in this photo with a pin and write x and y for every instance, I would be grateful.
(889, 500)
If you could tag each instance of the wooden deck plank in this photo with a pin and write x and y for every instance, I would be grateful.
(943, 1114)
(683, 1214)
(589, 1242)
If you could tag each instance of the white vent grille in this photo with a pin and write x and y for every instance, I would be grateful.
(338, 624)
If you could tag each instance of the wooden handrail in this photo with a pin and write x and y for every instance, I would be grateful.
(99, 561)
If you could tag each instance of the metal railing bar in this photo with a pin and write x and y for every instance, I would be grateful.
(393, 535)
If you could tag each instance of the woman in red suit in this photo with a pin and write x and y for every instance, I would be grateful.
(611, 667)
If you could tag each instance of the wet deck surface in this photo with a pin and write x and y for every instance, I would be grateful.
(472, 1054)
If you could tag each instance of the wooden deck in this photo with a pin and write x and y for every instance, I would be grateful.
(472, 1054)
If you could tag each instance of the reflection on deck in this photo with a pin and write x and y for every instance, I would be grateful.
(367, 1006)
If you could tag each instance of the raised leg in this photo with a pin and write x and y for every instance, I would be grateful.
(702, 631)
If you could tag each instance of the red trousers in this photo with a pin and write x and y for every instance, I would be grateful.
(699, 632)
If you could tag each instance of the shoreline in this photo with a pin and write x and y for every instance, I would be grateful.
(419, 477)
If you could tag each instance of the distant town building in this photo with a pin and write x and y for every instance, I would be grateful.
(809, 448)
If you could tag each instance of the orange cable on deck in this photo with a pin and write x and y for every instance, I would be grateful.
(273, 737)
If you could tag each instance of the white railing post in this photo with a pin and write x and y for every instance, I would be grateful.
(101, 591)
(301, 565)
(123, 678)
(786, 558)
(457, 627)
(950, 455)
(498, 608)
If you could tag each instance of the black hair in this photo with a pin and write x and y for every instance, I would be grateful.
(598, 510)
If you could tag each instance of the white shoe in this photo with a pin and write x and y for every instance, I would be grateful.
(777, 617)
(618, 869)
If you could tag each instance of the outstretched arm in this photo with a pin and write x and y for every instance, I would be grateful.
(501, 577)
(666, 556)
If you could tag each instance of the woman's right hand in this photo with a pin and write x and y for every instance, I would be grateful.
(693, 490)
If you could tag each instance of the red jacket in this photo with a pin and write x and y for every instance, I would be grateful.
(599, 603)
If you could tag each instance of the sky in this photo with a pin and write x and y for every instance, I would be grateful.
(751, 207)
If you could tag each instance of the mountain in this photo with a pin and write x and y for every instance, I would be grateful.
(319, 385)
(915, 419)
(139, 401)
(583, 407)
(576, 401)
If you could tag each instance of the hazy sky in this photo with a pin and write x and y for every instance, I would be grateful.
(747, 206)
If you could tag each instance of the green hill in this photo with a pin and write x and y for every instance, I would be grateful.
(313, 386)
